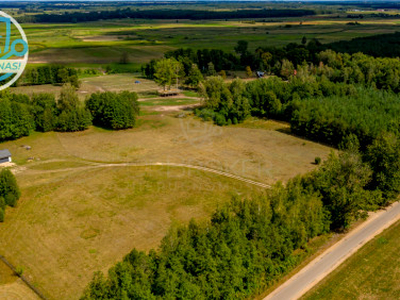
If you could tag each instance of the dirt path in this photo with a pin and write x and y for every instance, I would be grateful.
(171, 108)
(94, 165)
(325, 263)
(169, 97)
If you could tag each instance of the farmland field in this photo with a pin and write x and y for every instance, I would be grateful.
(104, 42)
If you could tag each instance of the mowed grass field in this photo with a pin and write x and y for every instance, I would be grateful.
(372, 273)
(78, 215)
(104, 42)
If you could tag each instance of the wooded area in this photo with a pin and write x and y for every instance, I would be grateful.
(21, 114)
(348, 101)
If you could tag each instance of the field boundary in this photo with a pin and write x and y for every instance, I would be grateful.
(23, 278)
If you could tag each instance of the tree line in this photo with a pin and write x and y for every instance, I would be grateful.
(74, 17)
(50, 74)
(21, 114)
(382, 45)
(338, 67)
(336, 75)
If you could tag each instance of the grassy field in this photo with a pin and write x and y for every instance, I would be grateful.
(77, 216)
(104, 42)
(112, 83)
(372, 273)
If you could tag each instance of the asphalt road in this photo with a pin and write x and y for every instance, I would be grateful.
(321, 266)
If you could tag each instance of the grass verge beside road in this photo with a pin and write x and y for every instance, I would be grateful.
(371, 273)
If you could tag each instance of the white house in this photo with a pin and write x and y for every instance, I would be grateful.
(5, 156)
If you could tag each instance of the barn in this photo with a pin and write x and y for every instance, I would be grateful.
(5, 156)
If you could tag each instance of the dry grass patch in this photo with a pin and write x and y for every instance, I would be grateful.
(11, 287)
(263, 155)
(69, 224)
(75, 217)
(17, 290)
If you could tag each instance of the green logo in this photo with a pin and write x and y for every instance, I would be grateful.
(13, 50)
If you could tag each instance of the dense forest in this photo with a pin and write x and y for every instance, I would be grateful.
(383, 45)
(349, 65)
(366, 113)
(21, 114)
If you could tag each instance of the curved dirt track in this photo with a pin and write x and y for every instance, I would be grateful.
(205, 169)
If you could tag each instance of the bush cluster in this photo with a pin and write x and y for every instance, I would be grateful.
(114, 110)
(21, 114)
(50, 74)
(9, 191)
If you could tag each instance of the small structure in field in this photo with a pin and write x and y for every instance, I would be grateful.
(172, 92)
(260, 74)
(5, 156)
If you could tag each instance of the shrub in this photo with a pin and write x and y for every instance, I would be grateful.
(2, 203)
(19, 270)
(220, 120)
(9, 188)
(205, 114)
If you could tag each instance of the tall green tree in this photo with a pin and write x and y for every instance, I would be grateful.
(73, 115)
(9, 189)
(194, 76)
(241, 47)
(44, 109)
(384, 157)
(167, 72)
(342, 182)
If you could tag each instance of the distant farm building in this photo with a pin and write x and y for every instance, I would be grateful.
(260, 74)
(5, 156)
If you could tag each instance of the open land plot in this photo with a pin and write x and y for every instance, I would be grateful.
(371, 273)
(104, 42)
(89, 85)
(69, 224)
(263, 155)
(77, 215)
